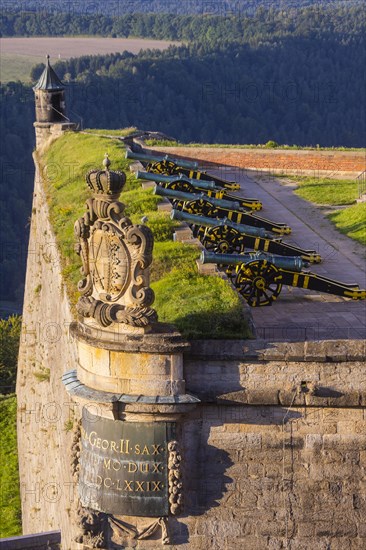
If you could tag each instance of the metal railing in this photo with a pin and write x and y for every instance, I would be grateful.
(40, 541)
(361, 181)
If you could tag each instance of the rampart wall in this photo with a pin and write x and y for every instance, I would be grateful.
(342, 164)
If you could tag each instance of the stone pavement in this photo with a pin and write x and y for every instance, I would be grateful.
(299, 314)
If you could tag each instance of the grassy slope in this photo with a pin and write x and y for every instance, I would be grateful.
(327, 191)
(208, 307)
(350, 220)
(10, 522)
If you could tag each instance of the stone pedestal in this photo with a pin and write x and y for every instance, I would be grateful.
(131, 390)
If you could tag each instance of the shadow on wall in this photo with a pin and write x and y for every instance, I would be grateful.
(206, 481)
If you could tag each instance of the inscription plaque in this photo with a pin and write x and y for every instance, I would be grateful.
(124, 466)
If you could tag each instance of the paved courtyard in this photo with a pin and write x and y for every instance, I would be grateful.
(303, 314)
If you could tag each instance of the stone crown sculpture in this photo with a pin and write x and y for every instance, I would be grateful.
(116, 256)
(105, 181)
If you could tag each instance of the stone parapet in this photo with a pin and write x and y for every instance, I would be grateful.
(45, 131)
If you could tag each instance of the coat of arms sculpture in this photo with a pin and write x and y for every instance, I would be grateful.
(116, 255)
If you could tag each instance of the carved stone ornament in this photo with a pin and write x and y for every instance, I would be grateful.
(123, 531)
(116, 256)
(175, 478)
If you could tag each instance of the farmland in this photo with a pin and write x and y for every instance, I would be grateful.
(18, 55)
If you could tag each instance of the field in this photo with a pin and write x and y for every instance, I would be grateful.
(10, 522)
(18, 55)
(350, 218)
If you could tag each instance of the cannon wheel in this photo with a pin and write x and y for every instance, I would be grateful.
(201, 207)
(259, 282)
(166, 167)
(181, 185)
(222, 239)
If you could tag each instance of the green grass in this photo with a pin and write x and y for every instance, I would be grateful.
(67, 191)
(10, 515)
(123, 132)
(167, 143)
(199, 305)
(351, 222)
(209, 307)
(164, 143)
(327, 191)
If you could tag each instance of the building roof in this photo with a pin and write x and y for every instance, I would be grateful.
(49, 79)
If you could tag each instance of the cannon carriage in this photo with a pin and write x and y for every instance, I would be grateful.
(259, 277)
(199, 204)
(226, 236)
(185, 184)
(169, 166)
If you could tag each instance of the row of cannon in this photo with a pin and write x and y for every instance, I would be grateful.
(228, 225)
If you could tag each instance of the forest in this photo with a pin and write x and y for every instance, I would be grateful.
(188, 7)
(296, 80)
(255, 27)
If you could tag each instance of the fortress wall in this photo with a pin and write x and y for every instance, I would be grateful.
(300, 162)
(272, 477)
(274, 456)
(45, 413)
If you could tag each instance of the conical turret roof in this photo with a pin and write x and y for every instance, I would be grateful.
(49, 79)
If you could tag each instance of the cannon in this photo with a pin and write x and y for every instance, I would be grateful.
(226, 236)
(201, 204)
(182, 197)
(148, 158)
(204, 221)
(183, 183)
(188, 184)
(259, 277)
(170, 166)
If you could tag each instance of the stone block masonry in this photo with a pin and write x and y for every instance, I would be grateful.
(271, 477)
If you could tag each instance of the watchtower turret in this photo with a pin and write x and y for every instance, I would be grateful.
(51, 116)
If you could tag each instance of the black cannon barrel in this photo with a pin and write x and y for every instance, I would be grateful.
(146, 157)
(181, 195)
(203, 175)
(294, 263)
(151, 176)
(214, 222)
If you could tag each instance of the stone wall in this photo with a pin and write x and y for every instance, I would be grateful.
(274, 456)
(47, 131)
(45, 413)
(342, 164)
